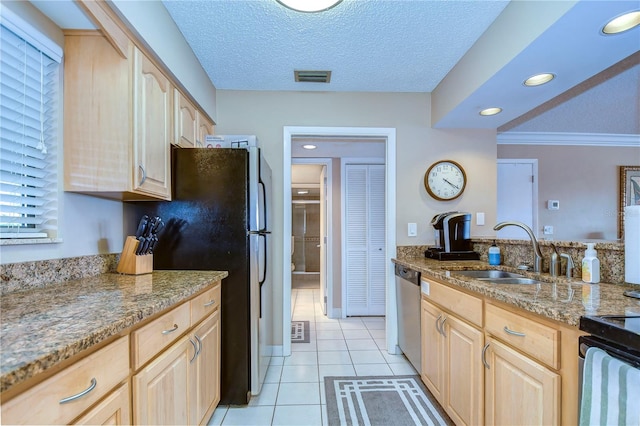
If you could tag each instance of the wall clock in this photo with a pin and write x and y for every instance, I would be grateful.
(445, 180)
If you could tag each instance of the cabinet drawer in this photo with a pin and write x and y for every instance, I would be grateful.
(462, 304)
(150, 339)
(528, 335)
(41, 404)
(207, 302)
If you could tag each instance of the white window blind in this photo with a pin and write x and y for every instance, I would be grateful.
(28, 132)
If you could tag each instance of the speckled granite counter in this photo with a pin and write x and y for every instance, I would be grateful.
(556, 298)
(44, 326)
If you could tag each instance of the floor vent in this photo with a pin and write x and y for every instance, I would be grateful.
(313, 76)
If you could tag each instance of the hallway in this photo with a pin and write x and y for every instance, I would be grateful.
(293, 393)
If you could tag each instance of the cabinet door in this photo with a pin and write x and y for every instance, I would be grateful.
(114, 410)
(464, 400)
(432, 349)
(161, 389)
(518, 390)
(185, 120)
(205, 369)
(151, 128)
(205, 127)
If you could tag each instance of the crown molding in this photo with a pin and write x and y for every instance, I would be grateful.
(576, 139)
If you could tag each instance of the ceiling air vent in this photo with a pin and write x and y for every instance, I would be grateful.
(313, 76)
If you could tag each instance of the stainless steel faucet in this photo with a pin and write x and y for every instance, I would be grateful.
(570, 264)
(537, 255)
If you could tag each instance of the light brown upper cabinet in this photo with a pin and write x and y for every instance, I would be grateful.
(205, 127)
(117, 120)
(186, 121)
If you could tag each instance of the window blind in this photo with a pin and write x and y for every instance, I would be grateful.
(28, 132)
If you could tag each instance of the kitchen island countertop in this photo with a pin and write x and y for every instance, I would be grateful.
(39, 328)
(557, 298)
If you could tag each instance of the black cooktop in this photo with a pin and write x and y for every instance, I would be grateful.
(621, 329)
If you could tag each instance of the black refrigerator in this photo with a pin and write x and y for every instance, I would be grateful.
(218, 219)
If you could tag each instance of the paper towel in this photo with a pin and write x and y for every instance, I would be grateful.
(632, 244)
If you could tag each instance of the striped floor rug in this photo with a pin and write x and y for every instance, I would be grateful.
(299, 331)
(386, 400)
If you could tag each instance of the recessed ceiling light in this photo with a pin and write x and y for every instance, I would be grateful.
(309, 5)
(302, 192)
(309, 146)
(490, 111)
(538, 79)
(622, 23)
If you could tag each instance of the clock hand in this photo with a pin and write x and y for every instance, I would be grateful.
(455, 186)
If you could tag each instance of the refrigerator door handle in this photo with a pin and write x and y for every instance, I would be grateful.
(263, 234)
(264, 203)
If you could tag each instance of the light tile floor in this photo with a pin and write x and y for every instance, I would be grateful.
(293, 392)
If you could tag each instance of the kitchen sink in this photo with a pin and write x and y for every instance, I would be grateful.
(488, 274)
(497, 277)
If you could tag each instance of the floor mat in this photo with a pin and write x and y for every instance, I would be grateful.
(387, 400)
(299, 331)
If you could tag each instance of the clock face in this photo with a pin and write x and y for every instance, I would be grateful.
(445, 180)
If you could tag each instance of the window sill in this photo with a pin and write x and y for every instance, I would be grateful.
(23, 241)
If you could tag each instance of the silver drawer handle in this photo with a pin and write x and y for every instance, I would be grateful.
(81, 394)
(144, 175)
(212, 302)
(175, 327)
(442, 326)
(195, 350)
(438, 326)
(199, 344)
(484, 356)
(515, 333)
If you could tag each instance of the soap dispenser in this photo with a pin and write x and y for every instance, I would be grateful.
(494, 254)
(591, 265)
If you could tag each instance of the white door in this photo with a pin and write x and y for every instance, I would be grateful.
(517, 196)
(365, 239)
(323, 239)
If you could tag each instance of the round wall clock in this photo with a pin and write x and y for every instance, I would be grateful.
(445, 180)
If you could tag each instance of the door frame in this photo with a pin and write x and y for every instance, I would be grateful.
(328, 266)
(343, 192)
(389, 134)
(534, 202)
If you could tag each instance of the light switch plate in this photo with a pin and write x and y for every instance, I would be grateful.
(480, 218)
(412, 229)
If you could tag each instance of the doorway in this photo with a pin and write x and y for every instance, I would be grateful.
(517, 196)
(387, 136)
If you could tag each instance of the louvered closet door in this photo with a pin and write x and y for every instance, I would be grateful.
(365, 239)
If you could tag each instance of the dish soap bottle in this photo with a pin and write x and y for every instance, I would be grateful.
(494, 254)
(590, 265)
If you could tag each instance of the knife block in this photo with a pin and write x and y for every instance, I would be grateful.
(130, 263)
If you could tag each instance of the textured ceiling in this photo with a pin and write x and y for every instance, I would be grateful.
(381, 45)
(412, 45)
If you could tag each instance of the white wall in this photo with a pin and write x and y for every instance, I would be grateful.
(585, 179)
(87, 225)
(266, 113)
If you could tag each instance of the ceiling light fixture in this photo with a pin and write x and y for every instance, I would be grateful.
(491, 111)
(622, 23)
(538, 79)
(310, 6)
(302, 192)
(309, 146)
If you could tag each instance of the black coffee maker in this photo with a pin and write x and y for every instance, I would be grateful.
(452, 237)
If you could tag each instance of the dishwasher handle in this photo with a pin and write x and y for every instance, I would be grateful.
(407, 274)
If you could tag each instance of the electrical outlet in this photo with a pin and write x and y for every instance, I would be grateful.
(547, 230)
(412, 229)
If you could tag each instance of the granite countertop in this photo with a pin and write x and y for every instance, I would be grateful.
(557, 298)
(41, 327)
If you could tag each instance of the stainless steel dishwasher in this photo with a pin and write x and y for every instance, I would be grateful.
(408, 303)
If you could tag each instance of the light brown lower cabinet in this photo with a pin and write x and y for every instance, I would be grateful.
(181, 385)
(451, 366)
(68, 394)
(114, 410)
(519, 390)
